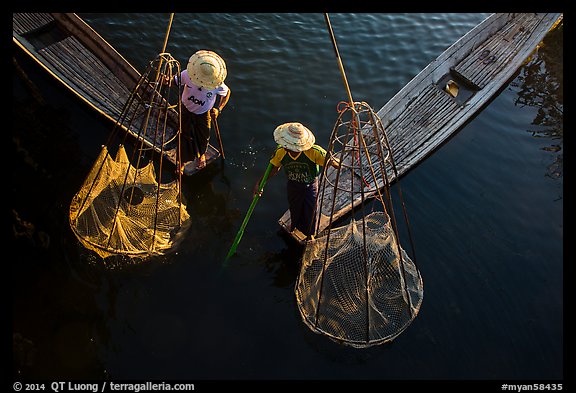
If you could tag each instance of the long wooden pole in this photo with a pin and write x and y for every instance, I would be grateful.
(217, 130)
(340, 65)
(168, 32)
(249, 213)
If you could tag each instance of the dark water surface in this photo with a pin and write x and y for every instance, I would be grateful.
(486, 212)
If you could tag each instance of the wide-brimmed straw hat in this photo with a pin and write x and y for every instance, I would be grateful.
(294, 136)
(206, 69)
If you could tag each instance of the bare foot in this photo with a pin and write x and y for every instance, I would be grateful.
(201, 162)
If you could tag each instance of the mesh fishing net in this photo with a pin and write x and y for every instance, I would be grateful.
(123, 210)
(123, 206)
(357, 285)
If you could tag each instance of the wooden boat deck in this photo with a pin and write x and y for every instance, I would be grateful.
(487, 61)
(423, 115)
(72, 52)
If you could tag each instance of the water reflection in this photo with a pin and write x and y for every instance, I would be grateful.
(284, 265)
(541, 85)
(44, 144)
(208, 199)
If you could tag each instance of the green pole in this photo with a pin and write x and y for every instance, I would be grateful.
(249, 213)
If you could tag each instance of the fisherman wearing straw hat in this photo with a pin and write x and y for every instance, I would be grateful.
(203, 82)
(301, 159)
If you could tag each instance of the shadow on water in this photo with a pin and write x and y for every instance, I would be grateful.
(51, 331)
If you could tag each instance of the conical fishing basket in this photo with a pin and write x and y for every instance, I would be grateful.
(124, 205)
(357, 285)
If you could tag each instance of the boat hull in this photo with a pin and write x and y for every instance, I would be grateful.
(82, 61)
(446, 94)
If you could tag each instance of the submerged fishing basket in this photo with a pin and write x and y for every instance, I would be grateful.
(127, 204)
(357, 285)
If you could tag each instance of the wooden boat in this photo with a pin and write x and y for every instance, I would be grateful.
(86, 64)
(443, 96)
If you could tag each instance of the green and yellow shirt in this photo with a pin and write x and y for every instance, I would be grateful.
(303, 167)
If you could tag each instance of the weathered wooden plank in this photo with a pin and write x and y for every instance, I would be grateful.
(430, 112)
(79, 75)
(513, 23)
(94, 71)
(25, 23)
(106, 78)
(84, 73)
(508, 49)
(496, 52)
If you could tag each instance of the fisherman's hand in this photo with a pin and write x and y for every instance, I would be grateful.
(334, 162)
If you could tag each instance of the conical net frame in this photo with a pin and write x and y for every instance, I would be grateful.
(357, 285)
(358, 295)
(122, 208)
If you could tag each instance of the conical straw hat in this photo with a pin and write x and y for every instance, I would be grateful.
(206, 69)
(294, 136)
